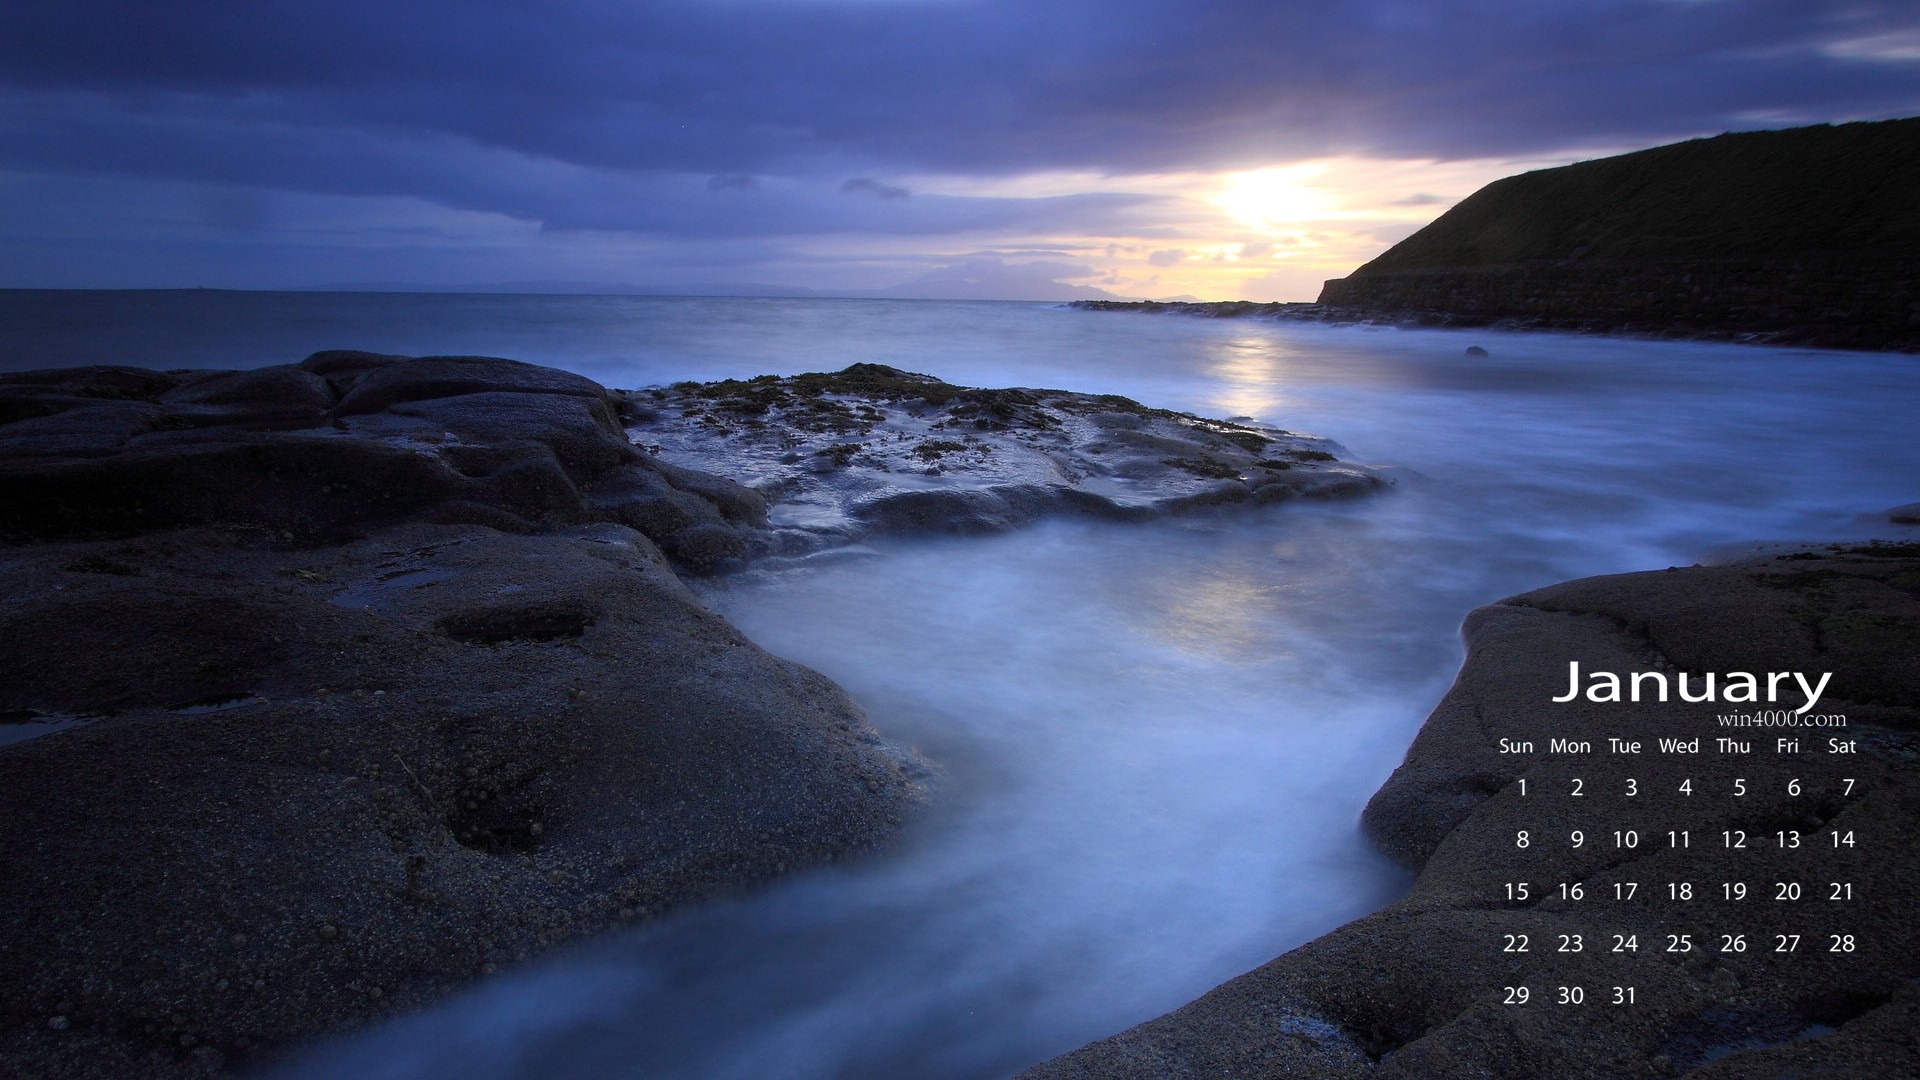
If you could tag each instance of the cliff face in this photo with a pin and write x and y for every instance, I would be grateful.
(1808, 234)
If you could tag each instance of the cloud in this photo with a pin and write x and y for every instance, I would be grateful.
(742, 122)
(1166, 257)
(863, 185)
(1422, 199)
(995, 87)
(222, 142)
(996, 279)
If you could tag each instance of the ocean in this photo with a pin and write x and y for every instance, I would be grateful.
(1153, 741)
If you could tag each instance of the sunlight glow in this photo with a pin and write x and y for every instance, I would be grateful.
(1276, 199)
(1271, 233)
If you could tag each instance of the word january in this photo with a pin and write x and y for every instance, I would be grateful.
(1739, 686)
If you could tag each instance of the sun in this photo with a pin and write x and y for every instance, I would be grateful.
(1275, 199)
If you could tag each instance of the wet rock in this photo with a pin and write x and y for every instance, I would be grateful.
(347, 712)
(98, 452)
(380, 386)
(318, 840)
(286, 390)
(1415, 990)
(704, 548)
(77, 428)
(736, 502)
(832, 458)
(580, 431)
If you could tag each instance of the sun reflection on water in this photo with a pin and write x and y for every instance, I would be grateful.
(1251, 371)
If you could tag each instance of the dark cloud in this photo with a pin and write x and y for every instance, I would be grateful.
(64, 132)
(864, 185)
(717, 120)
(754, 86)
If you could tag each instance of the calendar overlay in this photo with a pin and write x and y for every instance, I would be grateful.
(1711, 846)
(1614, 885)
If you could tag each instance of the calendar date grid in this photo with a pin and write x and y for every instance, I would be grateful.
(1651, 851)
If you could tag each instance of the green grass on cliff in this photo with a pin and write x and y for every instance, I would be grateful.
(1852, 189)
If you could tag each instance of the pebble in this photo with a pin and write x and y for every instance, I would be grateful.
(57, 1023)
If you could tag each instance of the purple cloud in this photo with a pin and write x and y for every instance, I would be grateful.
(703, 123)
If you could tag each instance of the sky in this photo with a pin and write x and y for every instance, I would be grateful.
(992, 149)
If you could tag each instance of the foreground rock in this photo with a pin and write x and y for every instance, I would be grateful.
(330, 686)
(872, 449)
(1416, 990)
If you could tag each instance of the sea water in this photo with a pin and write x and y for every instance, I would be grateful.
(1152, 742)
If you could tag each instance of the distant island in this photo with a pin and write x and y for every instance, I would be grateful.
(1806, 236)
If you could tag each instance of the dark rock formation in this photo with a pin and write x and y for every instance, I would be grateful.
(1806, 235)
(1416, 990)
(355, 679)
(342, 441)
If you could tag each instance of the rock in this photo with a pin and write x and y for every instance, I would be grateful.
(229, 814)
(1415, 990)
(368, 674)
(282, 390)
(580, 431)
(380, 386)
(833, 458)
(737, 503)
(355, 711)
(77, 429)
(99, 452)
(704, 548)
(1475, 350)
(1907, 514)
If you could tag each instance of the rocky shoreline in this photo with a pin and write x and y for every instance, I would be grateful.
(368, 676)
(332, 686)
(1415, 990)
(1813, 336)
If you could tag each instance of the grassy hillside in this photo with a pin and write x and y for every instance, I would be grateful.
(1808, 236)
(1854, 188)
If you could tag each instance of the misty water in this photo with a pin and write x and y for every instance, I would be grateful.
(1153, 742)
